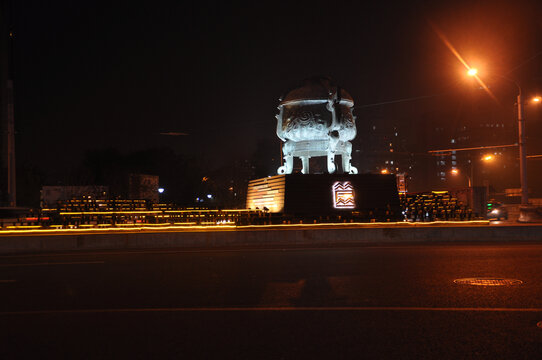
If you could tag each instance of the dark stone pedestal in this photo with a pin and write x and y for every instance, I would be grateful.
(369, 196)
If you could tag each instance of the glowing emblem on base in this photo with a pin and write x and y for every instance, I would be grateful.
(343, 195)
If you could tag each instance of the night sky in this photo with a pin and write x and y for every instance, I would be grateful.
(117, 74)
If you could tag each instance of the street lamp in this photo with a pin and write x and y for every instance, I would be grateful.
(472, 71)
(456, 172)
(488, 157)
(485, 158)
(521, 135)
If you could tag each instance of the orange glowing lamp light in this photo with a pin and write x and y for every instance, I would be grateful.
(488, 158)
(537, 99)
(384, 171)
(454, 172)
(472, 72)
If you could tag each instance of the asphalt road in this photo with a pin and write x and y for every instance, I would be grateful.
(390, 302)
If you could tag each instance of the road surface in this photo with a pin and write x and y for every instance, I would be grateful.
(373, 302)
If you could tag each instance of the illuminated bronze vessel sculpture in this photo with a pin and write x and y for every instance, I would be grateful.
(316, 120)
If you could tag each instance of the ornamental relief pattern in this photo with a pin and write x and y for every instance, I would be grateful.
(306, 119)
(314, 122)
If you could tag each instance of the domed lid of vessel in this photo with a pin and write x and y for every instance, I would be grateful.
(315, 88)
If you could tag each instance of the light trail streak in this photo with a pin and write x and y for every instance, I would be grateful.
(172, 228)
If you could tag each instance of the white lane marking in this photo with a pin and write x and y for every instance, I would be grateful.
(54, 263)
(7, 281)
(361, 246)
(270, 309)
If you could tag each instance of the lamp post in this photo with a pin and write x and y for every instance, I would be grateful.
(522, 154)
(455, 172)
(521, 136)
(485, 158)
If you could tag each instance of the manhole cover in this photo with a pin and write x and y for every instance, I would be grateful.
(488, 281)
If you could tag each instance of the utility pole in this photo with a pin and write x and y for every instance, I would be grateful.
(8, 190)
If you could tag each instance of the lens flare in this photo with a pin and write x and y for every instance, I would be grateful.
(470, 71)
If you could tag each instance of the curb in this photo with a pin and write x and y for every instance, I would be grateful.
(265, 236)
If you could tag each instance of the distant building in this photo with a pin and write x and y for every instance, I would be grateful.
(394, 144)
(51, 195)
(143, 187)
